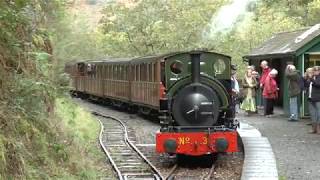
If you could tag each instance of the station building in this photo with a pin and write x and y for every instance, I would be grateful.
(300, 47)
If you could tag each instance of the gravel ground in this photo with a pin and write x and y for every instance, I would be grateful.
(228, 166)
(296, 151)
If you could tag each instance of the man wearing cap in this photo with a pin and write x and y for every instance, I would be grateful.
(235, 88)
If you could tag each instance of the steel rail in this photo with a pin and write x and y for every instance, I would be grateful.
(171, 172)
(107, 153)
(208, 176)
(127, 140)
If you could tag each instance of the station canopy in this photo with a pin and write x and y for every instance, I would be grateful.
(285, 43)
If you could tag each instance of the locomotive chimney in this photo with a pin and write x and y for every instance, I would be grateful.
(195, 67)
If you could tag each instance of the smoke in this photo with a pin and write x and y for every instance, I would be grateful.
(227, 18)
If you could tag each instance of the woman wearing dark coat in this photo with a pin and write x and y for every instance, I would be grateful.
(312, 84)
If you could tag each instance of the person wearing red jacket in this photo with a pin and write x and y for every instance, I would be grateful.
(265, 72)
(270, 92)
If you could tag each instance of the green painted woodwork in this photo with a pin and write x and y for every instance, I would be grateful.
(284, 85)
(308, 46)
(314, 49)
(301, 68)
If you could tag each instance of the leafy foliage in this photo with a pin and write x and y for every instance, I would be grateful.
(32, 137)
(152, 26)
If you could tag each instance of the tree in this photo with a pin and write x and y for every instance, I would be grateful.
(153, 26)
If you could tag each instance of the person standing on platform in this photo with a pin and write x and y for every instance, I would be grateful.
(235, 88)
(270, 92)
(314, 96)
(308, 76)
(265, 72)
(294, 91)
(249, 91)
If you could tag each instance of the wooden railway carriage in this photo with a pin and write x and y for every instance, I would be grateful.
(131, 82)
(190, 90)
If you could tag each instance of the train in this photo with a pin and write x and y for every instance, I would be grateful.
(190, 92)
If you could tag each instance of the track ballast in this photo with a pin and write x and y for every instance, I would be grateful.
(124, 156)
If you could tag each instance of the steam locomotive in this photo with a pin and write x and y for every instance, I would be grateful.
(191, 92)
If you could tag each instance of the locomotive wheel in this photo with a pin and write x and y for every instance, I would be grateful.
(196, 105)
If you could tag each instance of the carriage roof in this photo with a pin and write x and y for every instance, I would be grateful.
(144, 59)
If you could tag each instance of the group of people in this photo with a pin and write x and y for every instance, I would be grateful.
(312, 90)
(266, 83)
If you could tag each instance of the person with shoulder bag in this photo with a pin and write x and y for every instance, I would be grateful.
(249, 91)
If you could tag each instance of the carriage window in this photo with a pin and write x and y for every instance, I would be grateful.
(150, 72)
(137, 73)
(176, 67)
(111, 72)
(126, 73)
(140, 72)
(114, 70)
(219, 66)
(103, 71)
(119, 73)
(106, 72)
(145, 72)
(95, 75)
(155, 71)
(81, 68)
(134, 71)
(122, 72)
(89, 68)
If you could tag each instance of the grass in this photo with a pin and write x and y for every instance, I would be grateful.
(64, 146)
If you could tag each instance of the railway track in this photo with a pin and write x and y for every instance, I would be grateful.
(176, 173)
(141, 141)
(126, 159)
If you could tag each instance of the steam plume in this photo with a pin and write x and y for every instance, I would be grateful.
(227, 18)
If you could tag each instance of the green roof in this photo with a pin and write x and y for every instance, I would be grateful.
(285, 43)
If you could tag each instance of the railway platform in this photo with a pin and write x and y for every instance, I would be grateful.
(296, 151)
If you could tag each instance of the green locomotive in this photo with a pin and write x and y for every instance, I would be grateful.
(191, 92)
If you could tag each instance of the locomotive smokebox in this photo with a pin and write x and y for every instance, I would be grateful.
(195, 67)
